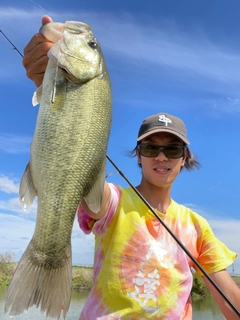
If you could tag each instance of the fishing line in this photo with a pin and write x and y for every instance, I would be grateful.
(110, 174)
(38, 5)
(163, 223)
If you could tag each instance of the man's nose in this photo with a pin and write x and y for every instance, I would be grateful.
(161, 156)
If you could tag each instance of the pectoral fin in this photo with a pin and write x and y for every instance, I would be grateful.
(94, 197)
(27, 191)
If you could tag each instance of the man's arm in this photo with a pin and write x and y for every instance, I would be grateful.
(105, 202)
(225, 282)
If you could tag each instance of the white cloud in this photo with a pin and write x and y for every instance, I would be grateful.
(228, 105)
(16, 144)
(17, 227)
(17, 13)
(11, 186)
(235, 102)
(14, 205)
(151, 47)
(16, 232)
(8, 185)
(184, 59)
(225, 229)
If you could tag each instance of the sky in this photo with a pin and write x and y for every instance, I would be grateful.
(179, 57)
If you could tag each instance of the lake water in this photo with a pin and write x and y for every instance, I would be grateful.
(202, 310)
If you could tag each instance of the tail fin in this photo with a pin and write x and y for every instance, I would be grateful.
(40, 285)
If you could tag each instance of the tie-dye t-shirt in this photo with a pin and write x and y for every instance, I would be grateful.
(140, 272)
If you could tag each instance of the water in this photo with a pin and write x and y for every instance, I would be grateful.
(202, 310)
(77, 303)
(206, 310)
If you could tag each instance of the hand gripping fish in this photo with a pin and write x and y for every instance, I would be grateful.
(67, 164)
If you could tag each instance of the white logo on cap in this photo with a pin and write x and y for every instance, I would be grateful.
(164, 119)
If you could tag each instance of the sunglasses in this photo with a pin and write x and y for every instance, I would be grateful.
(151, 150)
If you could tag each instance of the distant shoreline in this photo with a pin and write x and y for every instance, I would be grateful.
(82, 279)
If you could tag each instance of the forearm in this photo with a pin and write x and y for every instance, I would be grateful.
(227, 310)
(230, 290)
(105, 202)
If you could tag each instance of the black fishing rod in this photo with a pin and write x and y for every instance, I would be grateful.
(15, 48)
(161, 221)
(176, 239)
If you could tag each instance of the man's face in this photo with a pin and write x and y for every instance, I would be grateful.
(161, 170)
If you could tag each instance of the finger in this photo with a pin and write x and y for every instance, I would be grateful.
(36, 52)
(38, 79)
(37, 39)
(36, 70)
(35, 62)
(46, 19)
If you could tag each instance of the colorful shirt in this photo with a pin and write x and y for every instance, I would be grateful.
(140, 272)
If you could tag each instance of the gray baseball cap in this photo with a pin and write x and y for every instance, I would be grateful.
(163, 122)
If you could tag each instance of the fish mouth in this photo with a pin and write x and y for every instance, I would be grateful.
(68, 75)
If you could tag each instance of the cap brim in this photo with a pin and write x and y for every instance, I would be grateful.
(163, 130)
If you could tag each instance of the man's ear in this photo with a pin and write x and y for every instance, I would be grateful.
(185, 158)
(138, 156)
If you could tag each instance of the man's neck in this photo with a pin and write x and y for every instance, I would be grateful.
(158, 197)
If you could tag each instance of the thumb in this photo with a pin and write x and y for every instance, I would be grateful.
(46, 19)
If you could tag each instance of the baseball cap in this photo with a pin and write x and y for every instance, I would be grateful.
(163, 122)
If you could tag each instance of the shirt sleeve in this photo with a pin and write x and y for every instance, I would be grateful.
(88, 224)
(213, 254)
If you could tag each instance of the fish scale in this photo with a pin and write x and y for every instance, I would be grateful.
(67, 163)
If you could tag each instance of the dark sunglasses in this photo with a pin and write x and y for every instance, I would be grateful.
(151, 150)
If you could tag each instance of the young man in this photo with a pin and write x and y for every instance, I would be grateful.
(140, 272)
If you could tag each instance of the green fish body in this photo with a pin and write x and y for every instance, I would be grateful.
(67, 164)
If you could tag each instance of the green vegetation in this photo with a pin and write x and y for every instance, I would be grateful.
(83, 277)
(199, 289)
(7, 266)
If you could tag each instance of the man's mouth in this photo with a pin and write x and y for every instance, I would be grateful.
(162, 170)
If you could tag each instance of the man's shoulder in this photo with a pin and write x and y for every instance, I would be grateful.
(186, 210)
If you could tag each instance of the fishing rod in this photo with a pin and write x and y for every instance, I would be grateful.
(161, 221)
(175, 238)
(15, 48)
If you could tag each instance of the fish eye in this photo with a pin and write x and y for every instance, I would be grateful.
(93, 44)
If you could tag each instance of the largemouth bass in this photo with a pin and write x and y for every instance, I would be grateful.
(67, 163)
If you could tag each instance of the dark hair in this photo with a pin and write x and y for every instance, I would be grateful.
(191, 162)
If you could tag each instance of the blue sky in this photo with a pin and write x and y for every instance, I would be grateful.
(180, 57)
